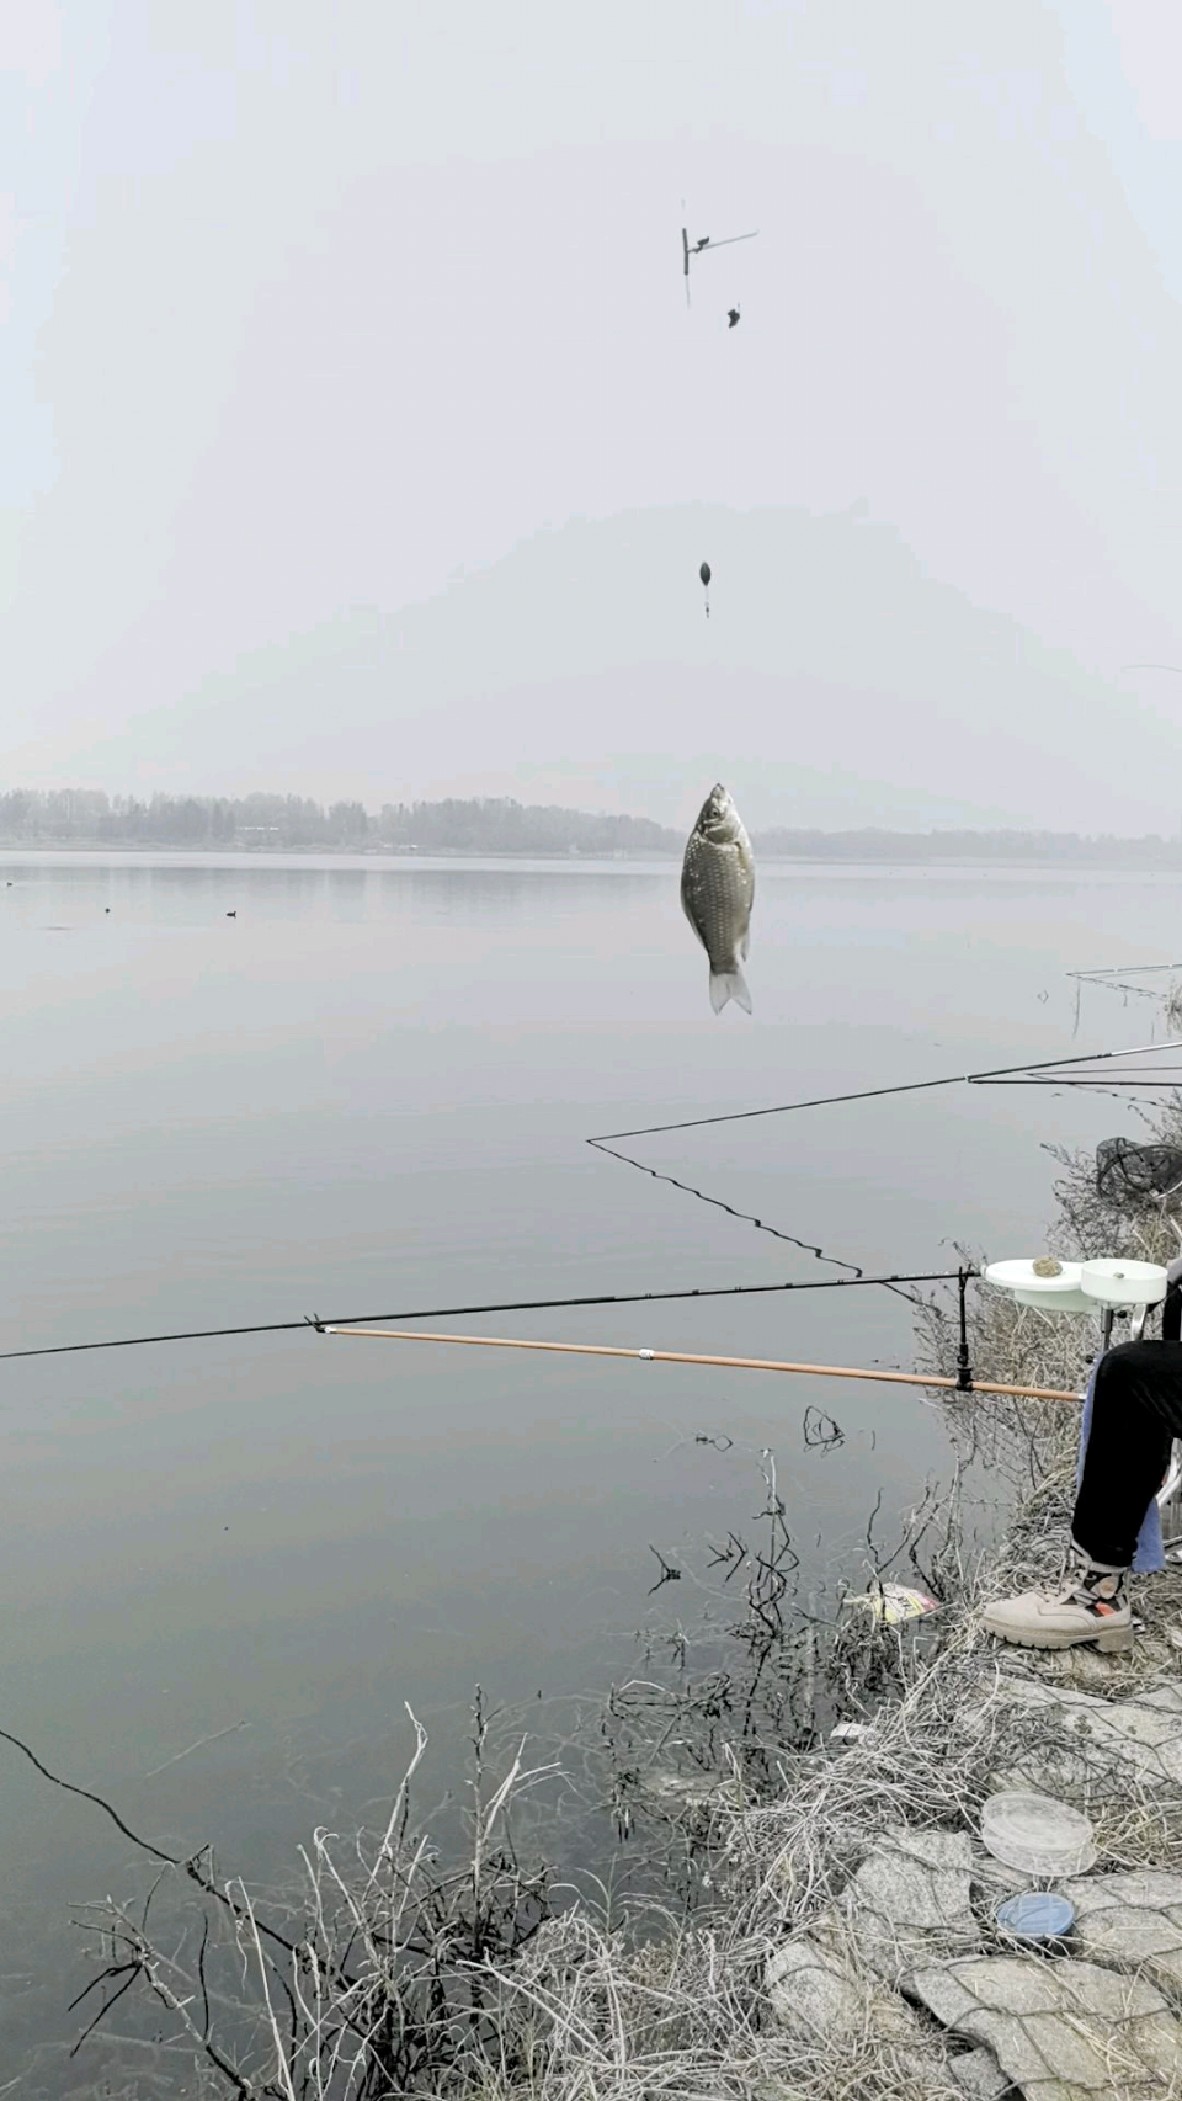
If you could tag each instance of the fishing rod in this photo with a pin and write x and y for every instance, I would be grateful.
(312, 1322)
(867, 1094)
(770, 1364)
(1160, 1079)
(1127, 970)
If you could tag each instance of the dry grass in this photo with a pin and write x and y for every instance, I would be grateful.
(399, 1979)
(692, 2016)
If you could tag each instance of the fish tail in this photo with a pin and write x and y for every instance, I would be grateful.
(727, 985)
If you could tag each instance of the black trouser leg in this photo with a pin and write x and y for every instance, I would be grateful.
(1136, 1414)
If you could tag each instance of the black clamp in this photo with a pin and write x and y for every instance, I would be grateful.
(964, 1370)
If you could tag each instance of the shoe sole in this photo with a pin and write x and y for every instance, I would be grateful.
(1110, 1641)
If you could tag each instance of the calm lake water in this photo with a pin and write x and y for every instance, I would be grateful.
(369, 1091)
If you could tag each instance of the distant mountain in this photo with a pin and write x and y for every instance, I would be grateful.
(835, 679)
(78, 817)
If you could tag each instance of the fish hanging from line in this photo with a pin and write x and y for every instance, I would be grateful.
(704, 573)
(717, 893)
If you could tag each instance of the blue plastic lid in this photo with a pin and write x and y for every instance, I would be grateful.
(1035, 1916)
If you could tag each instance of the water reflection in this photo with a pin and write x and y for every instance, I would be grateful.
(372, 1088)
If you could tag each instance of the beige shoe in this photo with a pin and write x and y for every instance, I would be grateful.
(1095, 1608)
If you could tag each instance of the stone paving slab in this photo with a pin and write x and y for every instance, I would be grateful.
(1135, 1940)
(1155, 1889)
(1061, 2031)
(811, 1989)
(1143, 1734)
(1132, 1921)
(814, 1991)
(910, 1901)
(979, 2076)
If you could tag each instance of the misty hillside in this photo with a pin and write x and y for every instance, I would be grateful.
(834, 680)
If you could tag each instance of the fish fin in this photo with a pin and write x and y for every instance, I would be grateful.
(727, 985)
(745, 944)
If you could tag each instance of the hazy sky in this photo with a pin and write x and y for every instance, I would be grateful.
(357, 440)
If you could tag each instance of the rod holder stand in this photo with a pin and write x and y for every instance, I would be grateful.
(964, 1370)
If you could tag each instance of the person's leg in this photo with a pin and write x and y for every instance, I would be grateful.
(1136, 1411)
(1136, 1414)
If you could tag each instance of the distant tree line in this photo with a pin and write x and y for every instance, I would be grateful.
(498, 825)
(494, 825)
(87, 817)
(872, 844)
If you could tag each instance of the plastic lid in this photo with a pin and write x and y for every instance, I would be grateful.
(1036, 1917)
(1117, 1282)
(1037, 1835)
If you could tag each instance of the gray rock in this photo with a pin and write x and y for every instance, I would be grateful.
(1152, 1888)
(1132, 1921)
(909, 1901)
(1060, 2031)
(1167, 1699)
(1141, 1941)
(1088, 1734)
(944, 1995)
(979, 2076)
(811, 1989)
(1013, 1984)
(815, 1990)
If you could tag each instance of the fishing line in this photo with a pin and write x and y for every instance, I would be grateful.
(1113, 978)
(312, 1323)
(1103, 982)
(746, 1217)
(1110, 1094)
(1055, 1069)
(1089, 1087)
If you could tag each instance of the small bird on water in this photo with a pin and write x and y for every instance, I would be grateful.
(717, 893)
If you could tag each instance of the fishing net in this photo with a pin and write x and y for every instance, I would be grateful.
(1126, 1172)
